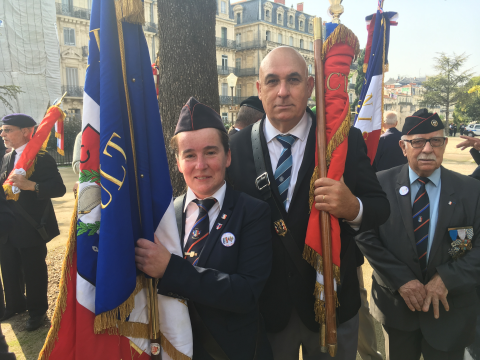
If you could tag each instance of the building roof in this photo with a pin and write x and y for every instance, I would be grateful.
(253, 11)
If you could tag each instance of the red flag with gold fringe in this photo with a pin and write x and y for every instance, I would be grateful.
(339, 50)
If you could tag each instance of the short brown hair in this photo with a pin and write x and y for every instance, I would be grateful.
(223, 139)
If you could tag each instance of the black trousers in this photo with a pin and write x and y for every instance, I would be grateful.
(409, 345)
(25, 268)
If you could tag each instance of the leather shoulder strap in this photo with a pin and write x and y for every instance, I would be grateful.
(262, 182)
(178, 206)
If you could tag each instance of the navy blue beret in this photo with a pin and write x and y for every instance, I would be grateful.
(196, 116)
(254, 102)
(422, 122)
(20, 120)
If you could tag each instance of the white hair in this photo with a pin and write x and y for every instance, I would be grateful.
(390, 118)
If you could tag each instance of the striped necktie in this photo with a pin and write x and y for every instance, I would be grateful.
(421, 222)
(199, 232)
(284, 166)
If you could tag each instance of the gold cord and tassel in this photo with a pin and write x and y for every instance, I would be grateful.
(341, 34)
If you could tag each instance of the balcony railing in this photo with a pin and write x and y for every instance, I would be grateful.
(255, 44)
(227, 100)
(72, 90)
(225, 70)
(223, 42)
(151, 27)
(73, 11)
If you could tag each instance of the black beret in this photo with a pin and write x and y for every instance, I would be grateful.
(422, 122)
(20, 120)
(254, 102)
(196, 116)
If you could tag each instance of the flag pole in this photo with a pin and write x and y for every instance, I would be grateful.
(328, 331)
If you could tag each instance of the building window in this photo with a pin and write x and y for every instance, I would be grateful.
(279, 18)
(69, 36)
(223, 7)
(301, 25)
(350, 96)
(310, 27)
(311, 45)
(239, 39)
(151, 12)
(153, 49)
(290, 20)
(239, 19)
(280, 39)
(267, 13)
(224, 89)
(310, 72)
(301, 43)
(238, 63)
(268, 35)
(67, 5)
(224, 61)
(72, 77)
(290, 41)
(239, 91)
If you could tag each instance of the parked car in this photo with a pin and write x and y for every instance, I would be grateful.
(472, 130)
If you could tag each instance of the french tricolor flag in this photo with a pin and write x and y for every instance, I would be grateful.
(369, 111)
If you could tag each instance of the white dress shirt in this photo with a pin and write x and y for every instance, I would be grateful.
(300, 131)
(191, 210)
(18, 152)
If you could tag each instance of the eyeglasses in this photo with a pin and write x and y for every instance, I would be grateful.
(7, 131)
(420, 143)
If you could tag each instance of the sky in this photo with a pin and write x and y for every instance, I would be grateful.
(425, 28)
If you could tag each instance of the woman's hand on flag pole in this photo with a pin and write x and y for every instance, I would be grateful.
(152, 257)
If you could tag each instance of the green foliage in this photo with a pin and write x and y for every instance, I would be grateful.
(89, 176)
(9, 92)
(444, 88)
(91, 228)
(467, 109)
(360, 74)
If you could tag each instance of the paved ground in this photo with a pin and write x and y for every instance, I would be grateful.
(27, 345)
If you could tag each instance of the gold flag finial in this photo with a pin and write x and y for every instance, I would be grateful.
(335, 10)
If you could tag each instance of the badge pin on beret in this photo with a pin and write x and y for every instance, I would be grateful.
(434, 123)
(403, 190)
(228, 239)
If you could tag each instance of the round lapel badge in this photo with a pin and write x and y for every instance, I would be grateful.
(228, 239)
(403, 190)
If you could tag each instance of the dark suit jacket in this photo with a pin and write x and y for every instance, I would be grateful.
(391, 251)
(7, 220)
(389, 154)
(51, 186)
(226, 284)
(286, 288)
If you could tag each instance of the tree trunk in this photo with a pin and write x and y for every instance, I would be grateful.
(188, 67)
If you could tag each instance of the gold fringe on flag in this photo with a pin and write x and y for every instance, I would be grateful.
(131, 11)
(171, 350)
(316, 261)
(341, 34)
(109, 320)
(320, 304)
(61, 303)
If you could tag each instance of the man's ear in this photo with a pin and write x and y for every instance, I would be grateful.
(402, 145)
(259, 89)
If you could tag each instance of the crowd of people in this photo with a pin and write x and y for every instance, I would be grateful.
(250, 293)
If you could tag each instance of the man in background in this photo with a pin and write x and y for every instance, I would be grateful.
(251, 110)
(389, 153)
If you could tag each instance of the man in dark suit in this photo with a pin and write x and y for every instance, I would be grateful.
(23, 251)
(7, 220)
(227, 246)
(426, 257)
(251, 110)
(389, 154)
(287, 303)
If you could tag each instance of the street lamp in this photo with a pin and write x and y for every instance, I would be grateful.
(232, 81)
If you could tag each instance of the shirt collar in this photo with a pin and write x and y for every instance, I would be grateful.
(219, 195)
(20, 149)
(434, 178)
(300, 130)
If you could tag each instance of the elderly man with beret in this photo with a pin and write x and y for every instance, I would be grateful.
(426, 257)
(23, 251)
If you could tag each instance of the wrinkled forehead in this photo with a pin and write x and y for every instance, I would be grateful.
(283, 62)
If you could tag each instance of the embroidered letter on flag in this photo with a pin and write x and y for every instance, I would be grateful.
(102, 311)
(369, 112)
(339, 49)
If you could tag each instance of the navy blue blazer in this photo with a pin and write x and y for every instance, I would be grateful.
(226, 283)
(389, 154)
